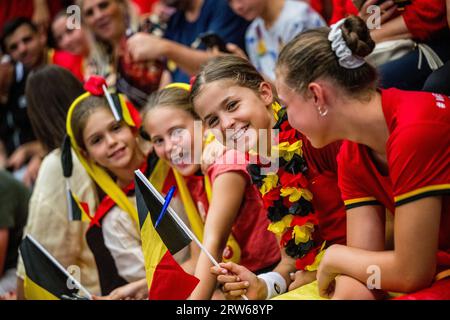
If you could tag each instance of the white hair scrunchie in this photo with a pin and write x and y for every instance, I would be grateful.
(340, 48)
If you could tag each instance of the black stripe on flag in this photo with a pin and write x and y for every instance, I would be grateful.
(168, 229)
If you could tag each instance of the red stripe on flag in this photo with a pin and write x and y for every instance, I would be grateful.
(170, 281)
(85, 207)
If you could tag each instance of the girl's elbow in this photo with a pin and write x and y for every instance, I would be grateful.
(412, 281)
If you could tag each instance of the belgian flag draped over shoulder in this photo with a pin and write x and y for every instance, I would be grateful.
(165, 278)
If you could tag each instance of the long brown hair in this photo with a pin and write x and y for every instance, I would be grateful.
(228, 67)
(309, 57)
(50, 91)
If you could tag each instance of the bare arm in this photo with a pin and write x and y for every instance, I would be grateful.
(365, 230)
(238, 280)
(41, 14)
(392, 30)
(222, 212)
(409, 267)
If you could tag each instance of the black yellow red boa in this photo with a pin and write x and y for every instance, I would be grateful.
(287, 199)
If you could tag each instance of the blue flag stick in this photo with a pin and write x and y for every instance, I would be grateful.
(166, 204)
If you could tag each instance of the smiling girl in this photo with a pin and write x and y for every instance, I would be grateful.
(396, 156)
(300, 197)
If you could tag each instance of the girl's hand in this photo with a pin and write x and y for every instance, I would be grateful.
(387, 10)
(236, 280)
(301, 278)
(325, 275)
(133, 291)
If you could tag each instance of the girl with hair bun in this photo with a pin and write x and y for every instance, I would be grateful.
(395, 156)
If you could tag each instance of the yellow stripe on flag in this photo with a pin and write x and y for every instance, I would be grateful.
(33, 291)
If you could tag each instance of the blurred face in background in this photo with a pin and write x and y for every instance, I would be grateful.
(26, 46)
(68, 39)
(247, 9)
(105, 18)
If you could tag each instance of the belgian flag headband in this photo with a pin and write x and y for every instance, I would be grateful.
(122, 110)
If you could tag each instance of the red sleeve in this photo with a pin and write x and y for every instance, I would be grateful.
(232, 160)
(424, 18)
(418, 158)
(352, 177)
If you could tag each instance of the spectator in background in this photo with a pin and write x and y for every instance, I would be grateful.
(71, 40)
(13, 216)
(26, 46)
(192, 18)
(275, 23)
(110, 22)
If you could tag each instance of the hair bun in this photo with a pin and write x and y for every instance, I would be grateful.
(357, 36)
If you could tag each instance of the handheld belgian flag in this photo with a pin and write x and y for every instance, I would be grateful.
(165, 278)
(46, 278)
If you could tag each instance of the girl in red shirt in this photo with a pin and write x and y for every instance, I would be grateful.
(395, 157)
(296, 181)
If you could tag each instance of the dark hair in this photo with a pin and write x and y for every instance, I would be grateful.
(228, 67)
(50, 90)
(309, 57)
(11, 26)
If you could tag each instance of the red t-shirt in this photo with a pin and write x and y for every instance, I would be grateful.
(259, 247)
(418, 153)
(327, 200)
